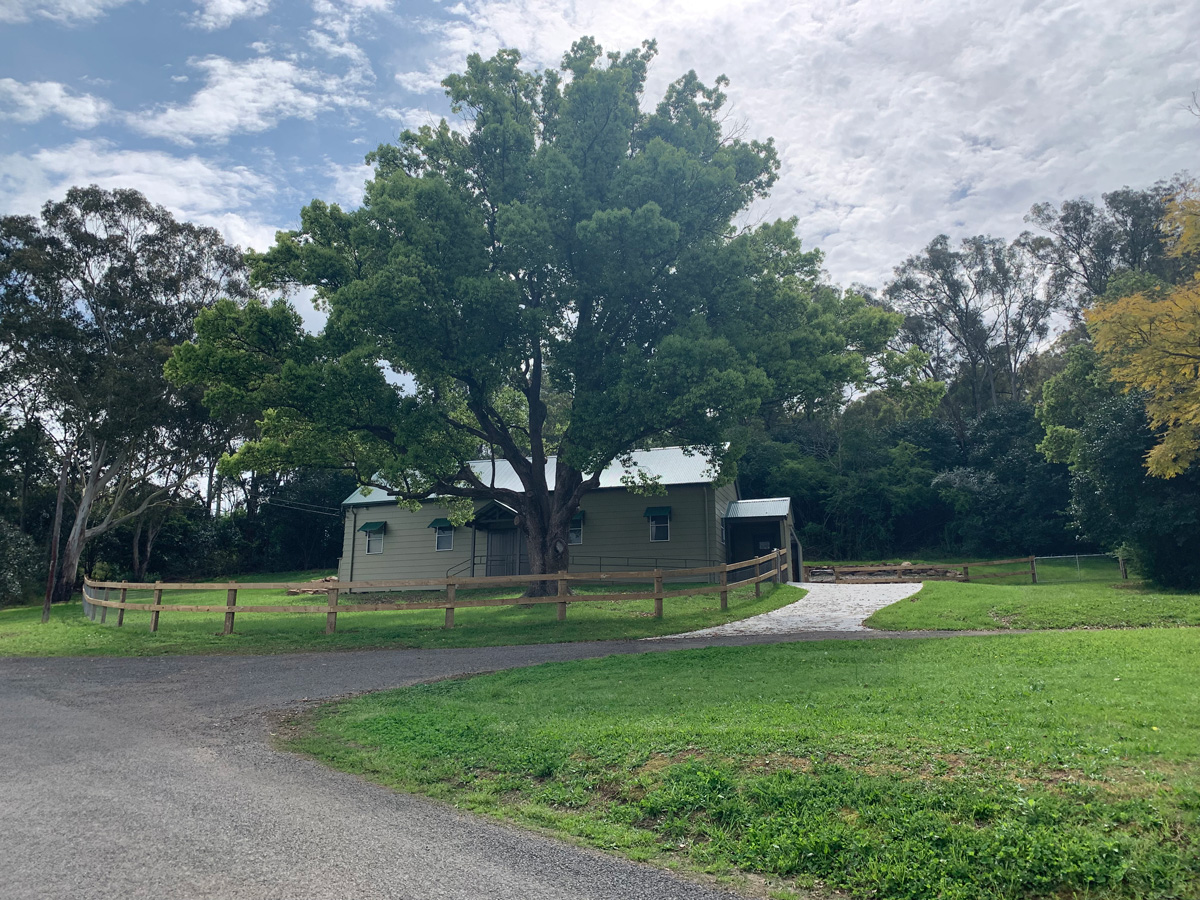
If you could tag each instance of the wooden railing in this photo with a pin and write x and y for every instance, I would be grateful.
(776, 560)
(848, 574)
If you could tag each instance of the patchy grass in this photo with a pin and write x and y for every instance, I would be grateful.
(951, 606)
(1047, 765)
(70, 634)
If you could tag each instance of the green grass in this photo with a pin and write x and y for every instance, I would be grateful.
(69, 633)
(1045, 765)
(952, 606)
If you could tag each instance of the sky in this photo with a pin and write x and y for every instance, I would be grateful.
(895, 120)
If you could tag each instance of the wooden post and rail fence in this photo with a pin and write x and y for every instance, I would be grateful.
(776, 563)
(854, 574)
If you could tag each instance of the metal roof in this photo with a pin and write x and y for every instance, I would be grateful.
(770, 508)
(671, 465)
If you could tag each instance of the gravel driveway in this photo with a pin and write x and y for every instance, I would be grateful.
(826, 607)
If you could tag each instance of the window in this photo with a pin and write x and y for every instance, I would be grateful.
(660, 528)
(575, 534)
(445, 537)
(374, 532)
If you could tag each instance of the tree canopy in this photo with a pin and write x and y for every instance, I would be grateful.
(565, 276)
(93, 296)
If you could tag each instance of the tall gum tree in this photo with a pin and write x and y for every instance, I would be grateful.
(561, 279)
(93, 296)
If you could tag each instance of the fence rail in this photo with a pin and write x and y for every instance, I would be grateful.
(93, 602)
(853, 574)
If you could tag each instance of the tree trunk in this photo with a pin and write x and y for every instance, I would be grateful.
(56, 530)
(547, 543)
(136, 551)
(142, 563)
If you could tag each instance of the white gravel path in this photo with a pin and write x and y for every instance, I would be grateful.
(826, 607)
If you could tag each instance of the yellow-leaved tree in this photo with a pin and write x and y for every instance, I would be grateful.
(1151, 340)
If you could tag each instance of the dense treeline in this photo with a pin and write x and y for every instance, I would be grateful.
(162, 416)
(950, 458)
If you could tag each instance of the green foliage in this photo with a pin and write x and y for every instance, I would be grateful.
(1029, 766)
(563, 276)
(19, 564)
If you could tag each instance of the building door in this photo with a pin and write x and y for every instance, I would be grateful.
(506, 552)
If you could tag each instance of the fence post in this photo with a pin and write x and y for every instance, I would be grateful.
(331, 616)
(230, 603)
(1033, 569)
(658, 594)
(121, 611)
(724, 588)
(157, 603)
(450, 592)
(104, 609)
(966, 572)
(757, 583)
(562, 592)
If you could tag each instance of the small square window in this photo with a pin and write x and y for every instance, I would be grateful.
(575, 535)
(660, 528)
(374, 541)
(445, 537)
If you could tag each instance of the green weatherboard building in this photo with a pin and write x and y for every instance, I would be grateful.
(696, 523)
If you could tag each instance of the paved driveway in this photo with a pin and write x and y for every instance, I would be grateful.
(153, 778)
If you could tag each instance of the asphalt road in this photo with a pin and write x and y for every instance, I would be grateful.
(154, 777)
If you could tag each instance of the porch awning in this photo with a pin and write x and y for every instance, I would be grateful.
(373, 526)
(440, 523)
(657, 511)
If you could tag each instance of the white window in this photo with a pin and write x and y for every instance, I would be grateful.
(575, 534)
(660, 528)
(375, 541)
(445, 537)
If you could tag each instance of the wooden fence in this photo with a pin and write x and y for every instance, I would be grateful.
(852, 574)
(777, 562)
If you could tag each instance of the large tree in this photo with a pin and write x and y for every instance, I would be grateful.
(93, 296)
(563, 277)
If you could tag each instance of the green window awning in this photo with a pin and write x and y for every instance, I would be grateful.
(373, 526)
(658, 511)
(577, 519)
(440, 523)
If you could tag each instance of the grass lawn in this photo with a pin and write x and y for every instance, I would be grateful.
(1045, 765)
(68, 633)
(943, 605)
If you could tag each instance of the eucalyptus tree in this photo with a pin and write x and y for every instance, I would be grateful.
(93, 296)
(554, 285)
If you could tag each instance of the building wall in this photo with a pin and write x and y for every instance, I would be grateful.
(616, 532)
(408, 544)
(723, 496)
(616, 537)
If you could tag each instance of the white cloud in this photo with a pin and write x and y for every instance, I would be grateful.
(65, 11)
(193, 188)
(410, 116)
(216, 14)
(347, 183)
(894, 120)
(249, 96)
(32, 101)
